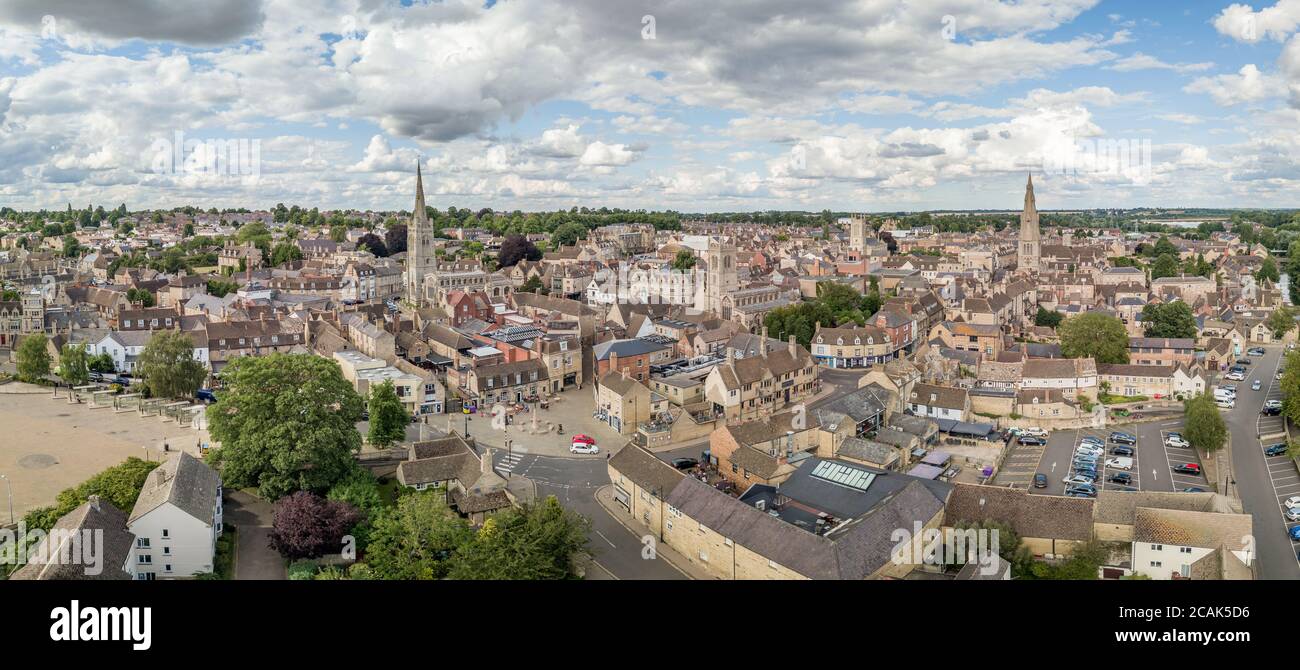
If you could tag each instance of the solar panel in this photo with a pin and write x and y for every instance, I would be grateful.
(843, 475)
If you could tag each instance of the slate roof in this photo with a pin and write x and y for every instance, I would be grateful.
(1186, 528)
(1034, 516)
(184, 481)
(118, 543)
(645, 469)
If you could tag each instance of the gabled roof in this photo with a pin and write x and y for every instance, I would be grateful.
(183, 481)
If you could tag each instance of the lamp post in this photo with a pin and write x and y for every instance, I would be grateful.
(10, 486)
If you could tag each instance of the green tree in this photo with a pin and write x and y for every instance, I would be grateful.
(220, 289)
(140, 295)
(1174, 319)
(536, 541)
(1282, 320)
(1048, 319)
(285, 252)
(286, 422)
(1203, 424)
(71, 248)
(102, 363)
(684, 260)
(73, 366)
(1165, 265)
(1268, 270)
(168, 365)
(568, 234)
(362, 491)
(531, 285)
(1291, 387)
(1094, 335)
(388, 417)
(338, 233)
(1164, 247)
(33, 358)
(415, 539)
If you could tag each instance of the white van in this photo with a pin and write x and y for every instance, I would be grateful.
(1120, 463)
(1227, 403)
(1221, 393)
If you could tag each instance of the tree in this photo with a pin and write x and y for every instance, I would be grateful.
(286, 422)
(536, 541)
(33, 358)
(304, 525)
(119, 485)
(285, 252)
(1268, 270)
(1291, 387)
(388, 417)
(372, 242)
(1174, 319)
(1094, 335)
(168, 365)
(338, 233)
(189, 230)
(531, 285)
(1048, 319)
(415, 539)
(73, 366)
(220, 289)
(1164, 247)
(1282, 320)
(1203, 425)
(395, 238)
(684, 260)
(361, 491)
(568, 234)
(1166, 265)
(140, 295)
(102, 363)
(71, 248)
(517, 248)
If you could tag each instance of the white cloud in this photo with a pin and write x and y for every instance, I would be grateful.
(1141, 61)
(1247, 85)
(1244, 24)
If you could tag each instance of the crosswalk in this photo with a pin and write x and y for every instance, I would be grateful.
(508, 462)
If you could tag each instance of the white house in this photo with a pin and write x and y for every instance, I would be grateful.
(125, 347)
(1071, 376)
(939, 402)
(177, 519)
(1186, 544)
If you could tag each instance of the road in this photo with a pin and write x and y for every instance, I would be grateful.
(1256, 477)
(573, 481)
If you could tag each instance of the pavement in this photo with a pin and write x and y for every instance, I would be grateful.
(615, 549)
(254, 557)
(1259, 481)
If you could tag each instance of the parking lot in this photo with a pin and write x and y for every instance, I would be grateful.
(1282, 473)
(1020, 465)
(1152, 460)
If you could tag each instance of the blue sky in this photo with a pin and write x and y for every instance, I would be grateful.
(870, 106)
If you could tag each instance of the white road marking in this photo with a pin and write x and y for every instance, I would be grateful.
(602, 536)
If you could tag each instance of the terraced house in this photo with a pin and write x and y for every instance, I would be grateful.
(852, 347)
(744, 389)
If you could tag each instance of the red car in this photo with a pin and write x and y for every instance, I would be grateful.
(583, 439)
(1188, 468)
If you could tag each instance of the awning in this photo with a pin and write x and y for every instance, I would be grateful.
(926, 471)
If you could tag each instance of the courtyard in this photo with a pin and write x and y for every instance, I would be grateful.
(48, 445)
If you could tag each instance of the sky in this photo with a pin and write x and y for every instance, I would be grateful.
(867, 105)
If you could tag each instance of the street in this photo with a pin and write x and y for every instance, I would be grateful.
(1262, 482)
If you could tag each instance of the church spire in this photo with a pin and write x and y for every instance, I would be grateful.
(419, 213)
(1030, 204)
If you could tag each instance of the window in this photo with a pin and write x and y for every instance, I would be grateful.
(144, 559)
(167, 551)
(142, 542)
(1155, 564)
(166, 533)
(1157, 547)
(1185, 550)
(727, 541)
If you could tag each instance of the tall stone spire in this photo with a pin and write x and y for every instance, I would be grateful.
(419, 245)
(1028, 252)
(419, 213)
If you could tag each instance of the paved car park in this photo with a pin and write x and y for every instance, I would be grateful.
(1281, 469)
(1020, 465)
(1152, 461)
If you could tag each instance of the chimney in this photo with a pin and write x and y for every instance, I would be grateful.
(613, 360)
(794, 346)
(94, 502)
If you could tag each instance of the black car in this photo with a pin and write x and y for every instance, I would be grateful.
(1188, 468)
(685, 463)
(1120, 478)
(1121, 451)
(1243, 361)
(1031, 440)
(1040, 481)
(1278, 449)
(1122, 438)
(1255, 352)
(1270, 411)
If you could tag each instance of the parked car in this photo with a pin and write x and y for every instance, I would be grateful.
(1188, 468)
(1255, 351)
(685, 463)
(1235, 376)
(1176, 441)
(1293, 514)
(1082, 491)
(1088, 439)
(1120, 478)
(1121, 451)
(1040, 481)
(1123, 438)
(1193, 489)
(1294, 532)
(1031, 440)
(583, 448)
(1292, 502)
(584, 439)
(1078, 480)
(1243, 361)
(1089, 451)
(1278, 449)
(1120, 463)
(206, 395)
(1271, 410)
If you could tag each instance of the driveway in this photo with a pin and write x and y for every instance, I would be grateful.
(254, 557)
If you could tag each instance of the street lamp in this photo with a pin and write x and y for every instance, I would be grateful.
(10, 486)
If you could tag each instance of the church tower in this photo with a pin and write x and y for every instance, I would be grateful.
(722, 277)
(858, 233)
(1027, 254)
(419, 245)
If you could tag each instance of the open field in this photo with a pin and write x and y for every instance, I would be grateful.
(47, 445)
